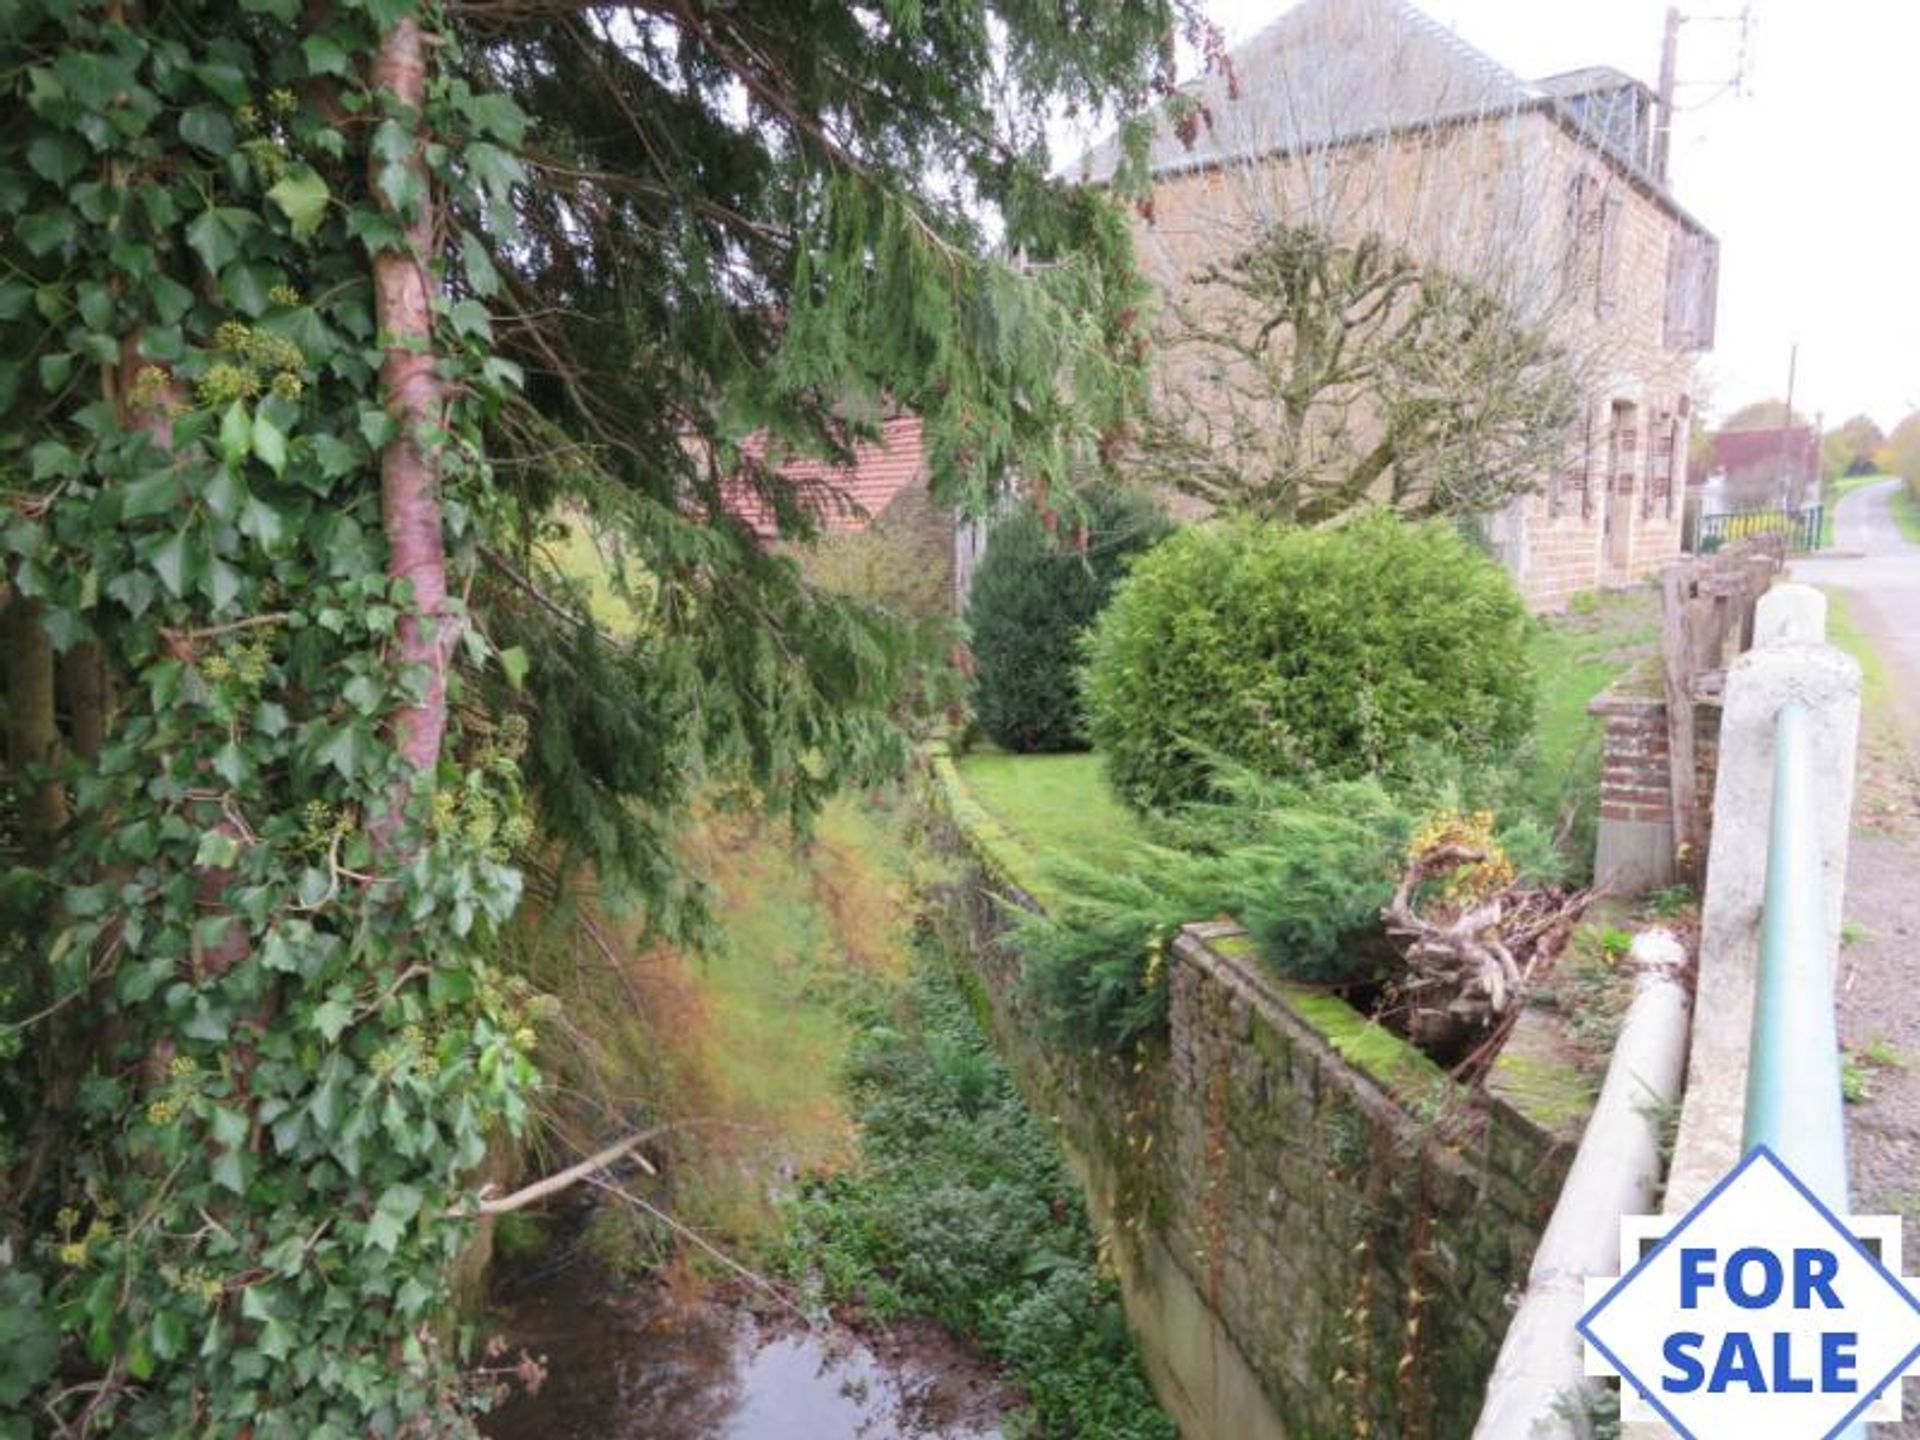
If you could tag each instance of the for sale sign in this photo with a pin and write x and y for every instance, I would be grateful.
(1761, 1313)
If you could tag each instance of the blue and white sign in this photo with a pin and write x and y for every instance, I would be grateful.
(1760, 1313)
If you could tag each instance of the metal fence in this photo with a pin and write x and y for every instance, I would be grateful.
(1801, 527)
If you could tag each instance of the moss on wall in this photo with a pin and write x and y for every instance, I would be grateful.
(1335, 1220)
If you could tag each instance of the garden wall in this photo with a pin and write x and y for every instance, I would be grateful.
(1316, 1230)
(1634, 851)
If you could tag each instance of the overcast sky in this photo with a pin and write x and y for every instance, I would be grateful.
(1808, 177)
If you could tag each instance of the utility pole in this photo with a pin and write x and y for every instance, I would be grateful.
(1790, 481)
(1663, 120)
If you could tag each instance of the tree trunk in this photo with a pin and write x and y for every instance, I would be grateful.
(84, 676)
(410, 464)
(33, 736)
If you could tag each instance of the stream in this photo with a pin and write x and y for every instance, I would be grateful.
(643, 1362)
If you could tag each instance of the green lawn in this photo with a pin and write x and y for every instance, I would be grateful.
(1906, 512)
(1058, 805)
(1053, 804)
(1575, 656)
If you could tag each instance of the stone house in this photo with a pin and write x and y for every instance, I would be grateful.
(882, 534)
(1772, 469)
(1365, 117)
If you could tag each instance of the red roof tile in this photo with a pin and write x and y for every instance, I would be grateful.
(847, 497)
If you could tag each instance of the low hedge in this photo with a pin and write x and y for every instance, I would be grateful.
(1306, 655)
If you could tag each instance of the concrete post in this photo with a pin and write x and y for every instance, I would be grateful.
(1790, 660)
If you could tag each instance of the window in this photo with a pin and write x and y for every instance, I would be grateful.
(1592, 264)
(1606, 291)
(1664, 435)
(1572, 477)
(1693, 284)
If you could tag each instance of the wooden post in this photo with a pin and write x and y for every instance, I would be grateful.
(1676, 653)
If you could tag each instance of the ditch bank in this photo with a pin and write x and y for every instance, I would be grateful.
(1316, 1229)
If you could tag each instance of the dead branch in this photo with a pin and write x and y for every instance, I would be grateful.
(540, 1189)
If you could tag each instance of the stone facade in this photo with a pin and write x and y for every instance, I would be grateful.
(1317, 1230)
(1515, 194)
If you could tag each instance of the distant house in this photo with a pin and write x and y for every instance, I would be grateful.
(1764, 469)
(1367, 117)
(881, 494)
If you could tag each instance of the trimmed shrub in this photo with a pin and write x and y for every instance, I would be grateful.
(1305, 655)
(1033, 595)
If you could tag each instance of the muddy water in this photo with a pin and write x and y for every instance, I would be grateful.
(645, 1365)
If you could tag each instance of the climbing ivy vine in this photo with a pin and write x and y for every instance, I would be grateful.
(274, 1048)
(309, 341)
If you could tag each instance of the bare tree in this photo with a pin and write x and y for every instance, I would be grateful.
(1393, 270)
(1313, 376)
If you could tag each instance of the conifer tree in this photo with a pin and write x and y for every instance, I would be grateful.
(318, 322)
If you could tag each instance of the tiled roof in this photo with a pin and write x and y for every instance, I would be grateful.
(848, 498)
(1741, 449)
(1330, 70)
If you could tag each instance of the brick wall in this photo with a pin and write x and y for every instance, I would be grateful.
(1635, 843)
(1317, 1231)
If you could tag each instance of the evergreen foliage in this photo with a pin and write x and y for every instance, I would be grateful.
(1034, 594)
(1305, 654)
(1306, 871)
(312, 320)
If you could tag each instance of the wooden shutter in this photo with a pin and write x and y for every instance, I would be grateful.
(1607, 286)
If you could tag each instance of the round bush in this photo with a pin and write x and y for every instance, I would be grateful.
(1033, 595)
(1304, 654)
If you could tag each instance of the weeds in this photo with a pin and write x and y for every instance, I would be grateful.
(961, 1211)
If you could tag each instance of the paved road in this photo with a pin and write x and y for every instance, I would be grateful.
(1881, 575)
(1879, 990)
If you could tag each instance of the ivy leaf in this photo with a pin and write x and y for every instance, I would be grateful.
(208, 129)
(224, 493)
(169, 1336)
(247, 285)
(218, 850)
(331, 1017)
(385, 1231)
(221, 583)
(261, 523)
(169, 559)
(346, 750)
(42, 231)
(230, 1170)
(302, 195)
(15, 296)
(57, 158)
(325, 56)
(171, 299)
(236, 434)
(230, 1125)
(54, 370)
(269, 445)
(363, 693)
(481, 274)
(214, 235)
(150, 495)
(230, 764)
(497, 115)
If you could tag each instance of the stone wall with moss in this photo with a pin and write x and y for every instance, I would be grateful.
(1317, 1229)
